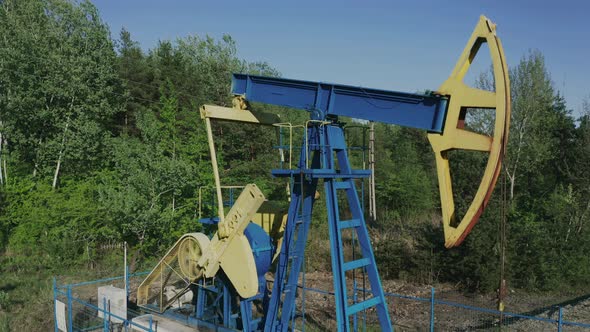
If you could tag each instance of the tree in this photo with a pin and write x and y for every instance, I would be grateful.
(138, 77)
(532, 97)
(60, 88)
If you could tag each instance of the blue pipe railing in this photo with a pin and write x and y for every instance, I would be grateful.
(66, 291)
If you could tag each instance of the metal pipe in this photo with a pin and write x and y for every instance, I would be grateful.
(105, 326)
(215, 169)
(70, 326)
(126, 275)
(559, 322)
(372, 200)
(432, 309)
(55, 305)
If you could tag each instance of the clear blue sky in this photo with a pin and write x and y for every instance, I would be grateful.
(395, 45)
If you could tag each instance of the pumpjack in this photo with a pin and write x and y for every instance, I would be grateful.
(228, 270)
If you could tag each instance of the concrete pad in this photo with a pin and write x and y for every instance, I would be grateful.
(164, 324)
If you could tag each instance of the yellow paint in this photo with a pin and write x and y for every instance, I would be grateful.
(229, 247)
(237, 114)
(185, 252)
(197, 256)
(237, 261)
(220, 211)
(239, 103)
(452, 138)
(232, 114)
(190, 250)
(272, 218)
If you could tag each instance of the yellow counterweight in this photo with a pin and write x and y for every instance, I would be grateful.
(456, 137)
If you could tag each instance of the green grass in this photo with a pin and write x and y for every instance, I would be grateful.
(26, 287)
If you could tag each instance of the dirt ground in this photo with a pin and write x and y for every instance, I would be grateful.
(414, 315)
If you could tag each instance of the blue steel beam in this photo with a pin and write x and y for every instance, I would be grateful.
(405, 109)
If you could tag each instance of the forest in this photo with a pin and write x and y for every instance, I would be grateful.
(101, 142)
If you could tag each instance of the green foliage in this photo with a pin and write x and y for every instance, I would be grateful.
(404, 178)
(4, 300)
(60, 89)
(54, 224)
(150, 191)
(120, 129)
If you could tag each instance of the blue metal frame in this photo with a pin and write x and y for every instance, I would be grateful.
(105, 322)
(325, 147)
(327, 150)
(234, 314)
(432, 309)
(97, 308)
(336, 145)
(222, 301)
(420, 111)
(560, 320)
(61, 291)
(326, 102)
(279, 310)
(70, 326)
(55, 305)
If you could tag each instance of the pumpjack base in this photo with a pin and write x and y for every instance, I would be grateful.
(174, 321)
(163, 324)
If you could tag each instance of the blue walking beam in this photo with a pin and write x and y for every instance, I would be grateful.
(322, 99)
(442, 114)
